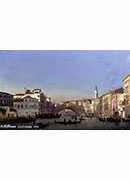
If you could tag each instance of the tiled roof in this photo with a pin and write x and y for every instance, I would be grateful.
(126, 77)
(19, 95)
(119, 90)
(5, 93)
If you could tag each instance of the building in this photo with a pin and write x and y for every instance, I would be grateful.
(47, 107)
(97, 107)
(87, 105)
(112, 103)
(126, 86)
(6, 99)
(118, 102)
(45, 104)
(26, 106)
(35, 93)
(7, 113)
(6, 106)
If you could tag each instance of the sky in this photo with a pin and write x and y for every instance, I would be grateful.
(63, 75)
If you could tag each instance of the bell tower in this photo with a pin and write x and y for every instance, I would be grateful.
(96, 92)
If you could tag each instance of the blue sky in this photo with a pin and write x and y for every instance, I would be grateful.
(63, 74)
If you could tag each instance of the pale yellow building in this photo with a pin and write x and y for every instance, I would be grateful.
(126, 86)
(113, 103)
(106, 105)
(7, 113)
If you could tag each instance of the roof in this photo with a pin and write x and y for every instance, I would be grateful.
(28, 92)
(119, 90)
(19, 95)
(126, 77)
(37, 90)
(5, 93)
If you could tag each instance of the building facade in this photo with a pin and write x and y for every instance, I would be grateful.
(45, 104)
(26, 106)
(7, 113)
(87, 105)
(126, 86)
(6, 99)
(118, 103)
(97, 106)
(112, 103)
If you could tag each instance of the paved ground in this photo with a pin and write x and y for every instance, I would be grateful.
(88, 124)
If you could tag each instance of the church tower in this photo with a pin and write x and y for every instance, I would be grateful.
(96, 92)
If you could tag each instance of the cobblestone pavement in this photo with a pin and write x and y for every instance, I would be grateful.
(88, 124)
